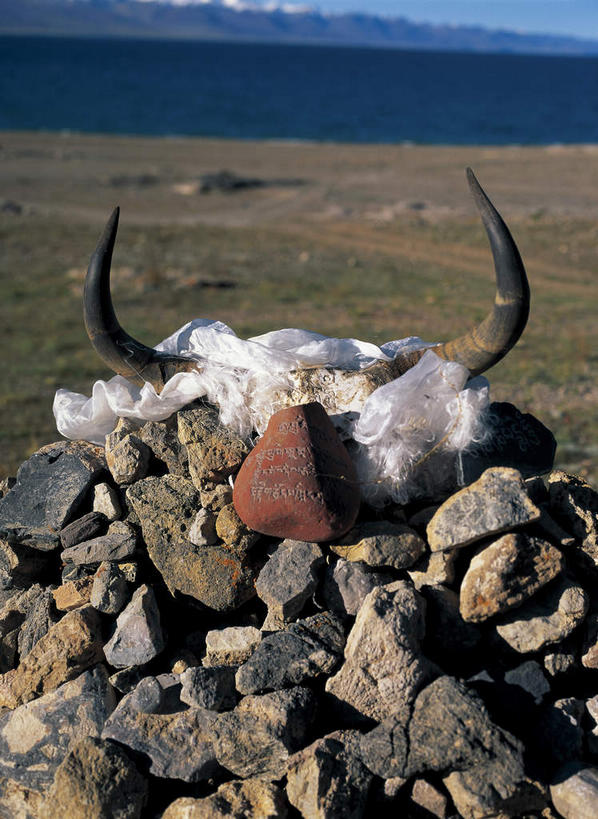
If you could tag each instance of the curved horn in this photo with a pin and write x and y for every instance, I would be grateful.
(120, 351)
(492, 339)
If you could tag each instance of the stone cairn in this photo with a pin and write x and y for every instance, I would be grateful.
(159, 658)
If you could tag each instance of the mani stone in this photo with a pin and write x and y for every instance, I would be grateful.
(138, 637)
(381, 544)
(50, 488)
(239, 799)
(105, 500)
(35, 737)
(231, 646)
(214, 451)
(96, 779)
(288, 580)
(305, 650)
(575, 506)
(575, 791)
(110, 590)
(383, 663)
(215, 575)
(70, 646)
(88, 527)
(504, 574)
(178, 744)
(346, 585)
(328, 779)
(496, 502)
(259, 735)
(211, 687)
(299, 482)
(546, 619)
(119, 542)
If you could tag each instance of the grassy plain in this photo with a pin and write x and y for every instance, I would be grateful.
(376, 242)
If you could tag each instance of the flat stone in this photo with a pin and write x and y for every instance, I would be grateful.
(253, 798)
(73, 595)
(299, 482)
(504, 574)
(138, 637)
(547, 618)
(126, 455)
(574, 791)
(211, 687)
(162, 438)
(346, 585)
(96, 779)
(383, 663)
(328, 779)
(381, 544)
(88, 527)
(574, 503)
(214, 575)
(288, 579)
(203, 529)
(498, 501)
(35, 737)
(530, 677)
(71, 645)
(515, 439)
(179, 744)
(231, 646)
(213, 450)
(105, 500)
(306, 650)
(259, 735)
(49, 491)
(118, 543)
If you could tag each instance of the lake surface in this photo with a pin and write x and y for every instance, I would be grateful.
(248, 91)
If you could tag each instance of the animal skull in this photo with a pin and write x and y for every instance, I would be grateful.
(337, 389)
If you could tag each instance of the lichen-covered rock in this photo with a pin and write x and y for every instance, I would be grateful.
(381, 544)
(504, 574)
(288, 580)
(589, 647)
(259, 735)
(328, 779)
(574, 791)
(35, 737)
(305, 650)
(383, 661)
(71, 645)
(214, 452)
(50, 489)
(496, 502)
(255, 798)
(96, 779)
(214, 575)
(231, 646)
(138, 637)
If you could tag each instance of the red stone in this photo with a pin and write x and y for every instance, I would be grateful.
(299, 482)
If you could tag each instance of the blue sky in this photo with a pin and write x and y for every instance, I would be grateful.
(576, 17)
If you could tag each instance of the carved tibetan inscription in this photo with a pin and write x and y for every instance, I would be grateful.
(299, 482)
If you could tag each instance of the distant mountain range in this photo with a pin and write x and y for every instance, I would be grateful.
(240, 20)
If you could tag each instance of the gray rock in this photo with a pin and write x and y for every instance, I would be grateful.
(211, 687)
(126, 679)
(126, 455)
(157, 695)
(288, 580)
(13, 615)
(562, 658)
(50, 489)
(35, 737)
(39, 618)
(498, 501)
(254, 798)
(530, 677)
(383, 663)
(110, 590)
(179, 744)
(385, 749)
(118, 543)
(259, 735)
(490, 790)
(105, 500)
(203, 529)
(574, 791)
(162, 438)
(574, 504)
(381, 544)
(328, 779)
(96, 779)
(504, 574)
(21, 565)
(304, 651)
(346, 585)
(88, 527)
(546, 619)
(138, 637)
(214, 451)
(231, 646)
(214, 575)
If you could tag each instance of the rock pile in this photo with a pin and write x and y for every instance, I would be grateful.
(159, 658)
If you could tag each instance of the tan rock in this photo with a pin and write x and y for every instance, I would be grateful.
(381, 543)
(74, 594)
(575, 791)
(126, 454)
(255, 798)
(231, 529)
(214, 451)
